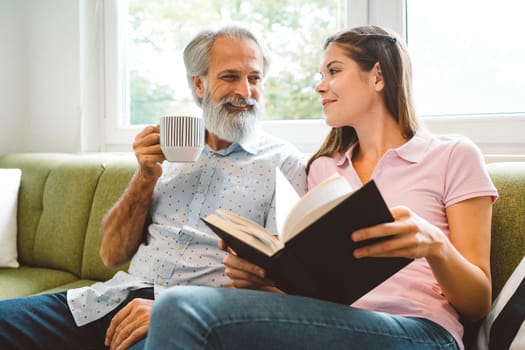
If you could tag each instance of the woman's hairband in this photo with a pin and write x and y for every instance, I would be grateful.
(390, 39)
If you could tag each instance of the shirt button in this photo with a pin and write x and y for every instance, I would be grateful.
(116, 298)
(201, 189)
(160, 281)
(180, 246)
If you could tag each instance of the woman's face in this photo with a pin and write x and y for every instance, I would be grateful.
(348, 94)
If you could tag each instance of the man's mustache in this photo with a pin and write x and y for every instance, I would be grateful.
(239, 101)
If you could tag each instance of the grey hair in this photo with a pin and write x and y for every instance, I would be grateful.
(196, 54)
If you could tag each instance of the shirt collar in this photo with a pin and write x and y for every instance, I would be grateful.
(249, 143)
(413, 150)
(346, 158)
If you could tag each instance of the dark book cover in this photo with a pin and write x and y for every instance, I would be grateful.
(318, 262)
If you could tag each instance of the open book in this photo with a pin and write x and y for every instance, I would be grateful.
(312, 252)
(293, 213)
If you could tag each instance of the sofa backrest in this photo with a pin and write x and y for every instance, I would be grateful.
(64, 197)
(62, 200)
(112, 183)
(508, 221)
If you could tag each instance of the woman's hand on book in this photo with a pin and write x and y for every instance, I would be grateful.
(410, 236)
(244, 274)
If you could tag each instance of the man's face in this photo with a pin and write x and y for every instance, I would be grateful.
(232, 88)
(235, 70)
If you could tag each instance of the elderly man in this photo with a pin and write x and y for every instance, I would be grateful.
(157, 222)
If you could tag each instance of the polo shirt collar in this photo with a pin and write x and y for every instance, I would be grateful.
(341, 159)
(413, 150)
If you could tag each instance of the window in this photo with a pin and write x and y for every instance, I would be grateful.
(467, 79)
(466, 58)
(158, 30)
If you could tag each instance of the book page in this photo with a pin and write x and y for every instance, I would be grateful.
(314, 204)
(251, 228)
(238, 232)
(285, 198)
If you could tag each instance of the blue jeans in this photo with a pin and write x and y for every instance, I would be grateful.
(45, 322)
(214, 318)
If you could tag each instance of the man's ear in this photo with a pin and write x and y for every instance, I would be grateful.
(198, 86)
(379, 82)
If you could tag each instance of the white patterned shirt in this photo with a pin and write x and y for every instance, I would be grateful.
(180, 249)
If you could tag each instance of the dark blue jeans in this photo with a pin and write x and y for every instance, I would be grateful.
(45, 322)
(215, 318)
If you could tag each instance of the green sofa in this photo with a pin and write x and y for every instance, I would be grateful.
(63, 198)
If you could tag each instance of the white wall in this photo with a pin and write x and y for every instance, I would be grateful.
(40, 76)
(11, 34)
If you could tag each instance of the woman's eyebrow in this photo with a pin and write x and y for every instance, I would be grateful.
(332, 62)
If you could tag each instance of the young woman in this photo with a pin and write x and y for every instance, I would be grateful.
(439, 194)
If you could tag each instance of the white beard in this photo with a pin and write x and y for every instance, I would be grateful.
(230, 126)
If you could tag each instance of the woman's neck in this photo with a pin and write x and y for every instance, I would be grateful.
(373, 142)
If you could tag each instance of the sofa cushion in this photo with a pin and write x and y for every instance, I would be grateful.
(67, 198)
(31, 280)
(112, 183)
(35, 171)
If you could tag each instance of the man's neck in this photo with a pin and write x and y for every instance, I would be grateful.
(215, 142)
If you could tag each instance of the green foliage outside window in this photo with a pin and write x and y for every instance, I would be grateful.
(294, 30)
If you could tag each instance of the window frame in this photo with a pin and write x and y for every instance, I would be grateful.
(495, 134)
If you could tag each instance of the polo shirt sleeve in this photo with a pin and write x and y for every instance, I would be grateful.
(320, 169)
(466, 176)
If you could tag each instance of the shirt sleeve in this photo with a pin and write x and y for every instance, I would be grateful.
(320, 169)
(467, 176)
(294, 169)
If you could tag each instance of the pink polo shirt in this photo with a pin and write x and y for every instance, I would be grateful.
(426, 174)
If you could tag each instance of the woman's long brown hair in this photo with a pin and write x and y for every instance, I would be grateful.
(368, 45)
